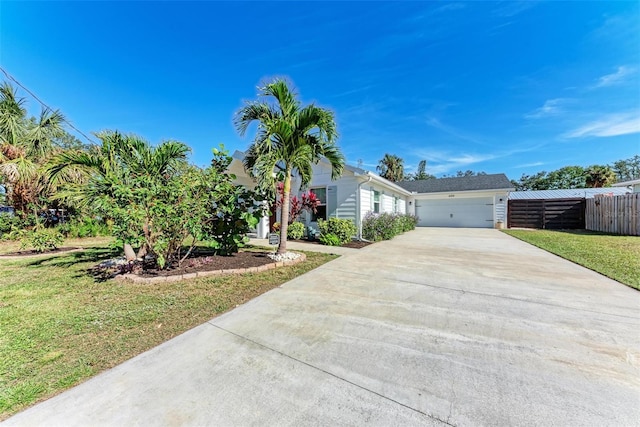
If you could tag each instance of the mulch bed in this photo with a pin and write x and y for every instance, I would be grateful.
(30, 253)
(245, 259)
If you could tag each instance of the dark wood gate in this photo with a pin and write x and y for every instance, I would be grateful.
(551, 214)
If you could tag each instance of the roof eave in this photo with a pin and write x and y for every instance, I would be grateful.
(385, 182)
(493, 190)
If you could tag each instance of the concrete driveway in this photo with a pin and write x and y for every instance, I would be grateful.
(438, 326)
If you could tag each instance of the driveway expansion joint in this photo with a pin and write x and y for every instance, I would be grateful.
(324, 371)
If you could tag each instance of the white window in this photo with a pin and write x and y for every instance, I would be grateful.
(376, 201)
(321, 210)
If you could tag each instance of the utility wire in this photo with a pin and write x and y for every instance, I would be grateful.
(10, 77)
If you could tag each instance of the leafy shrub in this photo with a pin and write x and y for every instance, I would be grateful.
(295, 231)
(343, 229)
(385, 226)
(84, 227)
(41, 239)
(330, 239)
(11, 225)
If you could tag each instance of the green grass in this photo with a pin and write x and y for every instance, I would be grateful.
(617, 257)
(61, 326)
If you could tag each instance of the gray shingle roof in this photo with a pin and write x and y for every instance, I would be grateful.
(465, 183)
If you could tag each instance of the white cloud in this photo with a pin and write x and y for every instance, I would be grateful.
(551, 107)
(529, 165)
(441, 162)
(615, 78)
(610, 125)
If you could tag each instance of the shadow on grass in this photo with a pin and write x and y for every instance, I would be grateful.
(87, 255)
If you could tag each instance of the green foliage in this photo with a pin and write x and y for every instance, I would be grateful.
(330, 239)
(468, 172)
(343, 229)
(391, 167)
(41, 239)
(85, 226)
(627, 169)
(421, 173)
(580, 177)
(385, 226)
(12, 225)
(295, 231)
(290, 138)
(157, 201)
(26, 145)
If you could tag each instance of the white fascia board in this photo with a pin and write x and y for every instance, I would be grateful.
(386, 183)
(492, 190)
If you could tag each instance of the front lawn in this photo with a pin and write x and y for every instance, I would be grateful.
(617, 257)
(60, 325)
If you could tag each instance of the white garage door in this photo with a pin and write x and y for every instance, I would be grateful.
(464, 212)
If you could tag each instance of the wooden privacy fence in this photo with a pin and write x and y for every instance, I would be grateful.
(614, 214)
(551, 214)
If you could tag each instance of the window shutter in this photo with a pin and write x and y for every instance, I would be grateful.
(332, 201)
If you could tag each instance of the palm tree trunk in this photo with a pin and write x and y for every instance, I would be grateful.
(284, 213)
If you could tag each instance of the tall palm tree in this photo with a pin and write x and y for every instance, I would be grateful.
(600, 176)
(25, 147)
(289, 139)
(391, 167)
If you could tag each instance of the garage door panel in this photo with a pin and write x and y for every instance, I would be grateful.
(464, 212)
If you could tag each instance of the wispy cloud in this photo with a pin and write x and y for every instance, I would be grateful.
(615, 78)
(450, 130)
(529, 165)
(551, 107)
(442, 161)
(513, 8)
(609, 125)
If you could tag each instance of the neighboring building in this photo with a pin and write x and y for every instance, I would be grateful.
(356, 193)
(470, 201)
(474, 201)
(633, 185)
(581, 193)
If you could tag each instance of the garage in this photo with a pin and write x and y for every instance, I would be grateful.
(474, 201)
(472, 212)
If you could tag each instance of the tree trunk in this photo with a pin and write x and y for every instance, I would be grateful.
(129, 252)
(284, 213)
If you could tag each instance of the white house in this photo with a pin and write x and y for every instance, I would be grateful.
(634, 185)
(470, 201)
(478, 201)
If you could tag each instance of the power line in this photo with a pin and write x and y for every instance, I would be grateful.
(10, 77)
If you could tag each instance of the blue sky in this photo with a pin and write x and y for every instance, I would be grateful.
(513, 87)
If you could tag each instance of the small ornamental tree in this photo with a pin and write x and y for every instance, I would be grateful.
(157, 200)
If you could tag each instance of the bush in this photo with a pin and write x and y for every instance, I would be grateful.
(295, 231)
(376, 227)
(41, 239)
(84, 227)
(12, 224)
(343, 229)
(330, 239)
